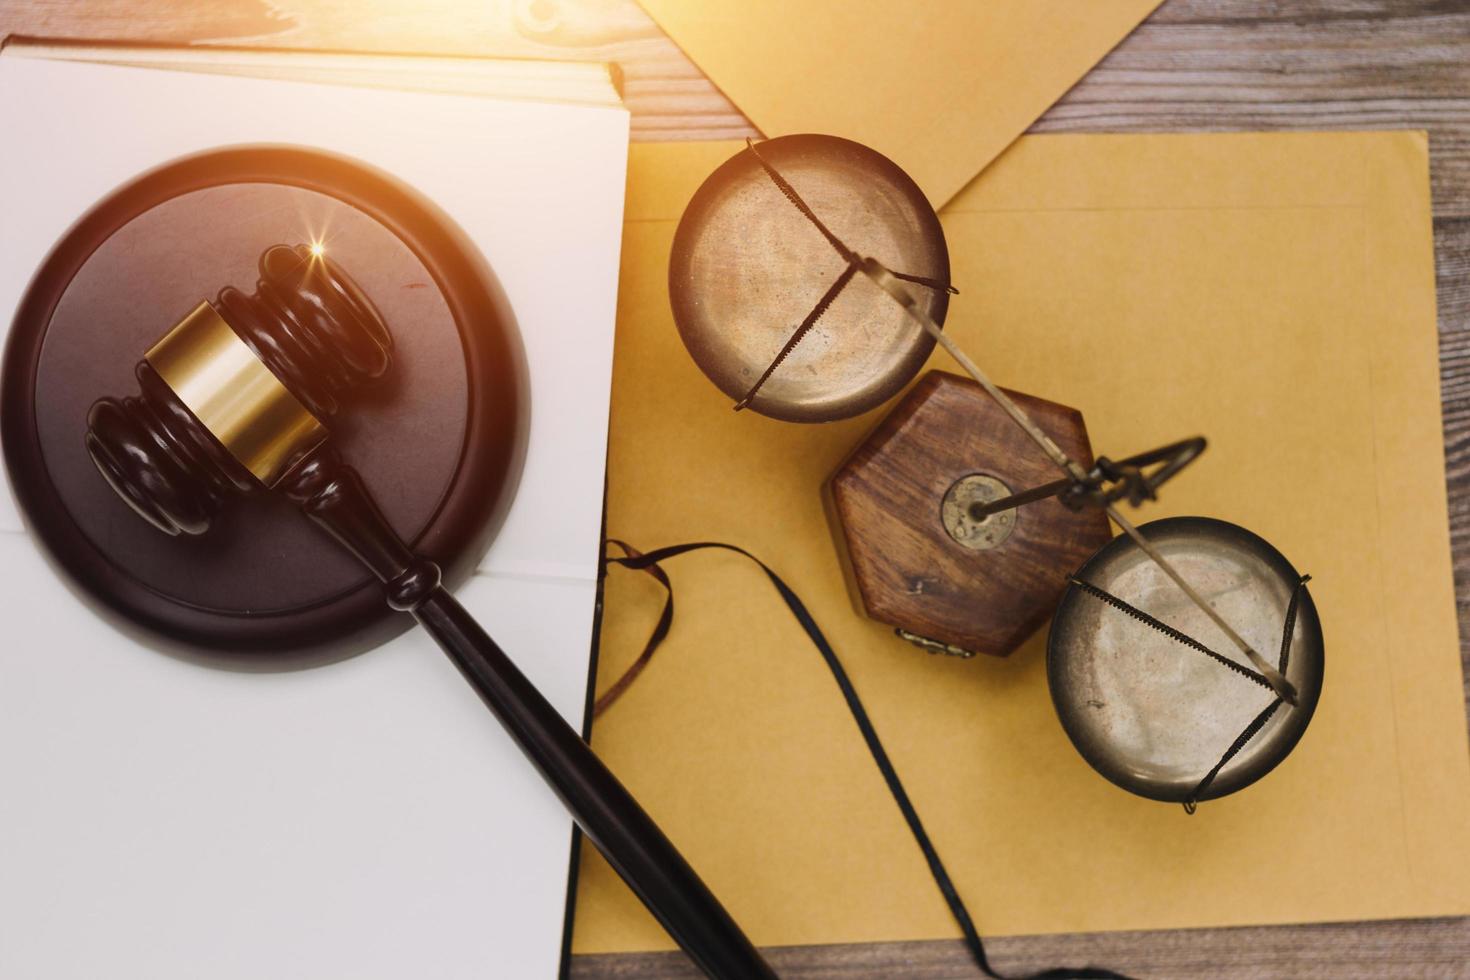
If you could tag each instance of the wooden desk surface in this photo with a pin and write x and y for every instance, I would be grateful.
(1193, 65)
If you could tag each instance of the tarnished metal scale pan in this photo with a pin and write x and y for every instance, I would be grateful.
(748, 266)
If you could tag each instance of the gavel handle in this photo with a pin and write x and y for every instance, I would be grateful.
(332, 494)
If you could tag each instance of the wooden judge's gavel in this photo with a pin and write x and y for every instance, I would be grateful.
(232, 400)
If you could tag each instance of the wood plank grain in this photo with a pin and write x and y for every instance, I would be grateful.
(1423, 949)
(1193, 65)
(1291, 64)
(667, 95)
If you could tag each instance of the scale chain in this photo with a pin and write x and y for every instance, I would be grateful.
(1178, 636)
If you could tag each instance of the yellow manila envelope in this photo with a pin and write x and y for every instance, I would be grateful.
(1273, 292)
(943, 85)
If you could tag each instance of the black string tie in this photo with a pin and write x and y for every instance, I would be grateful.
(631, 558)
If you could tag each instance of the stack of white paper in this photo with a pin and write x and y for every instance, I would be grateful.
(367, 819)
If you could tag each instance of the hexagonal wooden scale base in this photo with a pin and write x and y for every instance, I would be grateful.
(916, 563)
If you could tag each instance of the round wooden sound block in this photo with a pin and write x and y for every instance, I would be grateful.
(918, 562)
(439, 440)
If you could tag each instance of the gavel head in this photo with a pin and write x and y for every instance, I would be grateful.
(239, 390)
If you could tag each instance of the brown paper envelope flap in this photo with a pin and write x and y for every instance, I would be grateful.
(940, 87)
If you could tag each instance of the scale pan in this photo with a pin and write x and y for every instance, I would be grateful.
(1149, 712)
(747, 266)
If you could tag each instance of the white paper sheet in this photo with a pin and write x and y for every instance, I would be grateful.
(368, 819)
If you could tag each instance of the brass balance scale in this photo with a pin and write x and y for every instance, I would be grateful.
(1185, 656)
